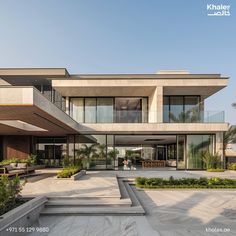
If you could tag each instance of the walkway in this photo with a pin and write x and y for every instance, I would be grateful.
(168, 212)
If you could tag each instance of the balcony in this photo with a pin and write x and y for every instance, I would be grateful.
(135, 116)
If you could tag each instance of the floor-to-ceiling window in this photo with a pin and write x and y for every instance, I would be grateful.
(109, 109)
(191, 149)
(181, 157)
(94, 151)
(181, 109)
(105, 110)
(90, 110)
(77, 109)
(196, 146)
(50, 150)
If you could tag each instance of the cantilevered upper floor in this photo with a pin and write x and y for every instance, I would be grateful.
(91, 99)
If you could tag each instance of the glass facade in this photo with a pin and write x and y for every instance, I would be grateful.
(197, 145)
(109, 109)
(191, 148)
(90, 110)
(105, 110)
(181, 109)
(77, 109)
(181, 157)
(50, 150)
(108, 151)
(94, 151)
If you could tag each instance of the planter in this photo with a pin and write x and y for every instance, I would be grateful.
(75, 176)
(22, 216)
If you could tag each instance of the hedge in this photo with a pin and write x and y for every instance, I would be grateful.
(142, 182)
(67, 172)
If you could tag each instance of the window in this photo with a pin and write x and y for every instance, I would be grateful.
(196, 146)
(77, 109)
(90, 110)
(181, 109)
(104, 110)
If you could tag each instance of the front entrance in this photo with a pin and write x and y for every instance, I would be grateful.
(51, 150)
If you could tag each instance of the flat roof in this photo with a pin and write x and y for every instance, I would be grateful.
(34, 76)
(147, 76)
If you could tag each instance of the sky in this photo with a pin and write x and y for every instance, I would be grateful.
(122, 36)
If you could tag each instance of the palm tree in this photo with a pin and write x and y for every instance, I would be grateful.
(101, 151)
(229, 137)
(87, 151)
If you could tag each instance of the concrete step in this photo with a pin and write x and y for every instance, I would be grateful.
(93, 211)
(88, 202)
(128, 205)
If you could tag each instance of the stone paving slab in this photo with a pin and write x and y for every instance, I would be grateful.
(93, 184)
(184, 212)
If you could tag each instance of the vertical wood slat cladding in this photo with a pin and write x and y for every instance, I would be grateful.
(16, 147)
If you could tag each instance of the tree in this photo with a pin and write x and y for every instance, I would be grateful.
(234, 105)
(87, 151)
(229, 137)
(101, 151)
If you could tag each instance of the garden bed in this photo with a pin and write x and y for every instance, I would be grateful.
(189, 183)
(72, 172)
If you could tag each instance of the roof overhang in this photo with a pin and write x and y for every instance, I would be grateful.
(32, 76)
(24, 110)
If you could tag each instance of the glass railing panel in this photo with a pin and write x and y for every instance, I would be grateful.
(134, 116)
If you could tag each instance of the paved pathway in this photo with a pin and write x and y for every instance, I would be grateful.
(93, 184)
(189, 212)
(169, 212)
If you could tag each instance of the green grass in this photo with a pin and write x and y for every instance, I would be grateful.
(194, 183)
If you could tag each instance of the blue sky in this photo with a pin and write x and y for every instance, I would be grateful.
(122, 36)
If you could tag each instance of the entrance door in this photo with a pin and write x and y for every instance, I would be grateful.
(161, 153)
(50, 150)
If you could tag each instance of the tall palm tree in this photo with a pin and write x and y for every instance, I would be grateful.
(229, 137)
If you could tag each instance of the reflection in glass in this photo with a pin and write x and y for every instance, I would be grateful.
(144, 110)
(176, 109)
(90, 110)
(104, 110)
(197, 145)
(128, 110)
(191, 109)
(91, 150)
(180, 109)
(166, 106)
(77, 109)
(181, 152)
(51, 150)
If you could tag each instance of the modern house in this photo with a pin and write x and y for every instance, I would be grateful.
(161, 117)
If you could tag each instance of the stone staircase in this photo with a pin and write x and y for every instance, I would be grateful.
(126, 204)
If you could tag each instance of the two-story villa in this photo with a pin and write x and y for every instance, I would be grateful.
(110, 117)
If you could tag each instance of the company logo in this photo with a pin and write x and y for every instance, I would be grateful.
(218, 10)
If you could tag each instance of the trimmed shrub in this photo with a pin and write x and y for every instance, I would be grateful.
(67, 172)
(232, 166)
(215, 170)
(184, 183)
